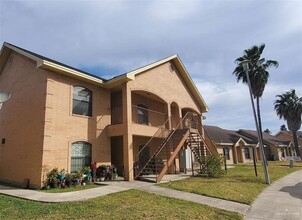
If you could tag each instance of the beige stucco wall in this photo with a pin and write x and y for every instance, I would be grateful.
(287, 137)
(62, 128)
(250, 152)
(157, 111)
(38, 125)
(157, 89)
(22, 120)
(165, 84)
(220, 151)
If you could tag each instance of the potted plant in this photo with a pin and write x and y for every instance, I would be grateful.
(78, 176)
(68, 179)
(52, 178)
(61, 175)
(86, 171)
(101, 172)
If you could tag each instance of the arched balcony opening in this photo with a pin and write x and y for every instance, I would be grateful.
(193, 117)
(148, 108)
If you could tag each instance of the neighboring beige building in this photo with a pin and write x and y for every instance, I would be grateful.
(288, 136)
(59, 116)
(273, 146)
(242, 146)
(235, 147)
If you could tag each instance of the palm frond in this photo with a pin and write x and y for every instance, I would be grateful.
(258, 73)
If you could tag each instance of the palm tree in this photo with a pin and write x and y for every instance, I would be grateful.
(267, 131)
(289, 107)
(283, 128)
(258, 74)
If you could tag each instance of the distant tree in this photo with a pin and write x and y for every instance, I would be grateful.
(289, 107)
(267, 131)
(258, 73)
(283, 128)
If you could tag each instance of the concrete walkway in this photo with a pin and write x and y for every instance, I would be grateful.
(192, 197)
(81, 195)
(281, 200)
(119, 186)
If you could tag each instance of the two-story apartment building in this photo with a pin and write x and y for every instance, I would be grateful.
(59, 116)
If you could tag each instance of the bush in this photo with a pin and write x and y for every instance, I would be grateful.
(212, 165)
(106, 171)
(53, 178)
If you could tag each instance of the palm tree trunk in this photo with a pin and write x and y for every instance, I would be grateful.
(264, 161)
(296, 143)
(260, 124)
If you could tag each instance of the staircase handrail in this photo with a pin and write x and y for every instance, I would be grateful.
(169, 137)
(210, 148)
(161, 146)
(161, 128)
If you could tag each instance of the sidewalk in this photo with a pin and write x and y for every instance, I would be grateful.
(118, 186)
(81, 195)
(281, 200)
(217, 203)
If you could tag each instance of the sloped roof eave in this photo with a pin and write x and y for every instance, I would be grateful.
(47, 64)
(131, 76)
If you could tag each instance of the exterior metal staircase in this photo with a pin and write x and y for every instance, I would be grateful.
(165, 145)
(197, 146)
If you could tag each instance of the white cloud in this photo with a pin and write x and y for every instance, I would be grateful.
(169, 10)
(208, 35)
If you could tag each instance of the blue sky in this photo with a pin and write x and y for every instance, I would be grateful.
(108, 38)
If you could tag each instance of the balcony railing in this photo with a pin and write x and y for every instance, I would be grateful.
(140, 115)
(146, 116)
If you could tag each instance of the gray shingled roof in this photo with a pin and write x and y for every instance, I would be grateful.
(56, 62)
(267, 138)
(220, 135)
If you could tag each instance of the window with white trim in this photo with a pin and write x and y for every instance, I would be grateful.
(247, 153)
(226, 153)
(80, 155)
(82, 101)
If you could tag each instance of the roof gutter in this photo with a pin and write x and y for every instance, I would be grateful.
(44, 64)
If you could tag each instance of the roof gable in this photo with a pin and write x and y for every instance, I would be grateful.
(55, 66)
(178, 65)
(47, 63)
(289, 133)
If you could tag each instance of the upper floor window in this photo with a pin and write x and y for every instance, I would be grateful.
(82, 101)
(226, 153)
(80, 155)
(142, 115)
(247, 153)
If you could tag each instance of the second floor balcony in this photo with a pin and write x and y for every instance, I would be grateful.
(146, 114)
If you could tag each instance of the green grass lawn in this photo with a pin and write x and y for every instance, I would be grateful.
(131, 204)
(239, 184)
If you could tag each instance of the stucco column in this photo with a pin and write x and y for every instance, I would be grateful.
(235, 154)
(179, 116)
(127, 136)
(169, 115)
